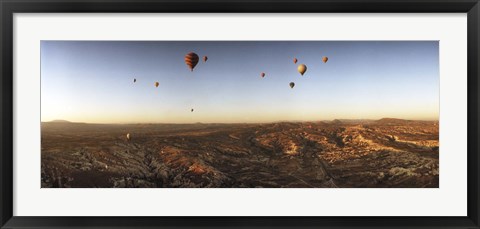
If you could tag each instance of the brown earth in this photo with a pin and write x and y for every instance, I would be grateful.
(340, 153)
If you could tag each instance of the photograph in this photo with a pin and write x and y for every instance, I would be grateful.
(239, 114)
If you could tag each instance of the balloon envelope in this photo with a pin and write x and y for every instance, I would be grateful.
(325, 59)
(295, 60)
(263, 74)
(191, 59)
(205, 58)
(134, 80)
(156, 84)
(302, 69)
(292, 84)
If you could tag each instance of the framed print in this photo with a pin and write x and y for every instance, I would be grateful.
(239, 114)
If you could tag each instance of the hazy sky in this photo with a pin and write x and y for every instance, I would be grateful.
(92, 81)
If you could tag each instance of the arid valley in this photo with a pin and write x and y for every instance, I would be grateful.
(385, 153)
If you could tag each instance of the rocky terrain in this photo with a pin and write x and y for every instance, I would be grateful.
(336, 154)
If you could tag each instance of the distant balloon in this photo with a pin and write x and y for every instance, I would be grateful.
(191, 59)
(302, 69)
(325, 59)
(134, 80)
(191, 110)
(263, 74)
(128, 136)
(156, 84)
(295, 60)
(205, 58)
(292, 84)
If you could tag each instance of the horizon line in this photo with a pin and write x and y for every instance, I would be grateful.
(279, 121)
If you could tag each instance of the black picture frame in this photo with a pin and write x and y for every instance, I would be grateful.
(9, 7)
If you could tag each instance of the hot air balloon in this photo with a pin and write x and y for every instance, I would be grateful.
(295, 60)
(191, 110)
(205, 58)
(325, 59)
(134, 80)
(128, 136)
(302, 69)
(292, 84)
(156, 84)
(263, 74)
(191, 59)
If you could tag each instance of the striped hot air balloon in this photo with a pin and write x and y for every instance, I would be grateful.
(191, 59)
